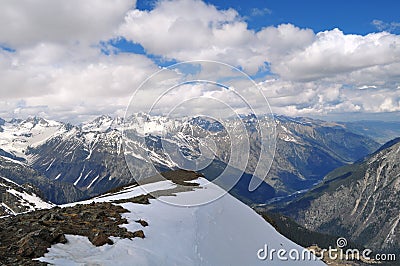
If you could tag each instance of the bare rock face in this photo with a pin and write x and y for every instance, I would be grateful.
(36, 243)
(360, 202)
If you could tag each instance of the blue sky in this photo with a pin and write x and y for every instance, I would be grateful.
(351, 16)
(313, 58)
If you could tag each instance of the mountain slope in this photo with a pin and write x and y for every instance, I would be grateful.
(358, 201)
(380, 131)
(84, 160)
(51, 190)
(17, 199)
(223, 232)
(309, 149)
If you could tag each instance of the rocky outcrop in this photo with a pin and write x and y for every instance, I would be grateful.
(27, 236)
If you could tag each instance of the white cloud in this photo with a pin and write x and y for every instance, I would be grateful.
(173, 30)
(295, 54)
(95, 84)
(58, 70)
(261, 11)
(385, 26)
(322, 98)
(26, 22)
(333, 53)
(278, 42)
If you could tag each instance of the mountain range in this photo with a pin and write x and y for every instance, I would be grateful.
(333, 179)
(87, 160)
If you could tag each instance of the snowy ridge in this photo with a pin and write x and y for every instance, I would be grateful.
(223, 232)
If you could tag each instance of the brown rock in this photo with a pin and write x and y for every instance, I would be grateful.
(57, 236)
(26, 247)
(101, 239)
(139, 233)
(142, 222)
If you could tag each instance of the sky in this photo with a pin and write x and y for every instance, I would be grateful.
(72, 60)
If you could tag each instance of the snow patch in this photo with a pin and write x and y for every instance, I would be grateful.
(93, 181)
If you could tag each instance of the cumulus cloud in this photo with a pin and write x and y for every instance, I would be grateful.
(63, 88)
(173, 30)
(324, 98)
(27, 22)
(316, 66)
(56, 68)
(334, 53)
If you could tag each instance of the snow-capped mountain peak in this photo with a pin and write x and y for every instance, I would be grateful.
(102, 124)
(18, 135)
